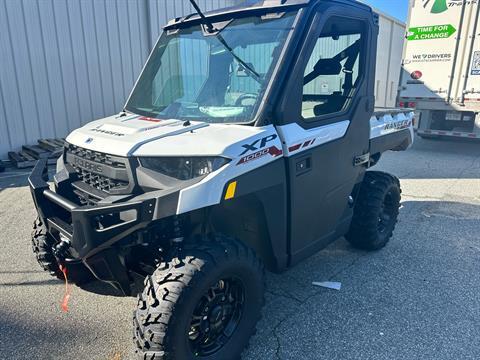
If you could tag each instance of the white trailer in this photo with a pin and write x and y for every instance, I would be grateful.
(389, 59)
(441, 67)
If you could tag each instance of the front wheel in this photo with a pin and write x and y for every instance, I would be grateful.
(203, 304)
(42, 247)
(376, 211)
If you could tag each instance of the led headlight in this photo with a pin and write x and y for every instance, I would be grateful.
(183, 168)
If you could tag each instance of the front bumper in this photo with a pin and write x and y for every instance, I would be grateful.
(89, 242)
(80, 225)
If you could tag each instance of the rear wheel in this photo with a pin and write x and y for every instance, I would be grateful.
(376, 211)
(203, 304)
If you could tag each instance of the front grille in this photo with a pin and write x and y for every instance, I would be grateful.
(111, 175)
(95, 156)
(98, 181)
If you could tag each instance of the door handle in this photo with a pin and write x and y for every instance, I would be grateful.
(303, 165)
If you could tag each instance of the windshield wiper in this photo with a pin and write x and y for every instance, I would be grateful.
(211, 29)
(209, 24)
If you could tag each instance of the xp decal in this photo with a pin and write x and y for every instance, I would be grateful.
(273, 150)
(260, 151)
(263, 142)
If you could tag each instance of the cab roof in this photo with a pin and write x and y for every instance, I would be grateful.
(252, 6)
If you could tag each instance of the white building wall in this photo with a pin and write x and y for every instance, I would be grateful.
(64, 63)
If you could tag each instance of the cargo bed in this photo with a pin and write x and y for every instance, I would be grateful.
(391, 129)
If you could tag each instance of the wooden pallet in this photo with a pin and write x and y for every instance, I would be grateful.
(36, 151)
(52, 145)
(21, 159)
(50, 149)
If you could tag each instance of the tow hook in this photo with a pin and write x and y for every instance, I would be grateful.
(61, 249)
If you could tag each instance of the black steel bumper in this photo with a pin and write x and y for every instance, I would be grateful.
(92, 241)
(80, 224)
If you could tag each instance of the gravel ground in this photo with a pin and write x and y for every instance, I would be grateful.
(416, 299)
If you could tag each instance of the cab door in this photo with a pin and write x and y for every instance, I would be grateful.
(326, 124)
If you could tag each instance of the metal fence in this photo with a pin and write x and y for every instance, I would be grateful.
(64, 63)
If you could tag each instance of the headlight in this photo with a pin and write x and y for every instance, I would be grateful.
(183, 168)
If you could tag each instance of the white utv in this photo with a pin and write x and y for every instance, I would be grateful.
(244, 144)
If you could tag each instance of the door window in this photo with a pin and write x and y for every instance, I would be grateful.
(334, 69)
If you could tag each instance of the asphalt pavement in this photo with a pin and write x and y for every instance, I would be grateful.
(419, 298)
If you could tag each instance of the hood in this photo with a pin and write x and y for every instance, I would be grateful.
(122, 135)
(141, 136)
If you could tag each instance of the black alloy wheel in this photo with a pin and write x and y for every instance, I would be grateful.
(216, 317)
(204, 303)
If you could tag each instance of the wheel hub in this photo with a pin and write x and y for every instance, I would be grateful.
(216, 317)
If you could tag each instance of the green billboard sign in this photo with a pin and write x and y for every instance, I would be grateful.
(431, 32)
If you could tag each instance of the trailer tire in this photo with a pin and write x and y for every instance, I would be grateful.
(376, 211)
(42, 246)
(196, 295)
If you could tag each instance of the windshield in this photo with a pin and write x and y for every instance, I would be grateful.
(213, 78)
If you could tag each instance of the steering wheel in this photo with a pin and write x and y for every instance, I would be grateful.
(241, 98)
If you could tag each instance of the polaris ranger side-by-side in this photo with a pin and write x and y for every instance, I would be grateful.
(244, 144)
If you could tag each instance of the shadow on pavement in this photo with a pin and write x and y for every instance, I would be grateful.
(14, 178)
(100, 288)
(21, 272)
(32, 283)
(29, 335)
